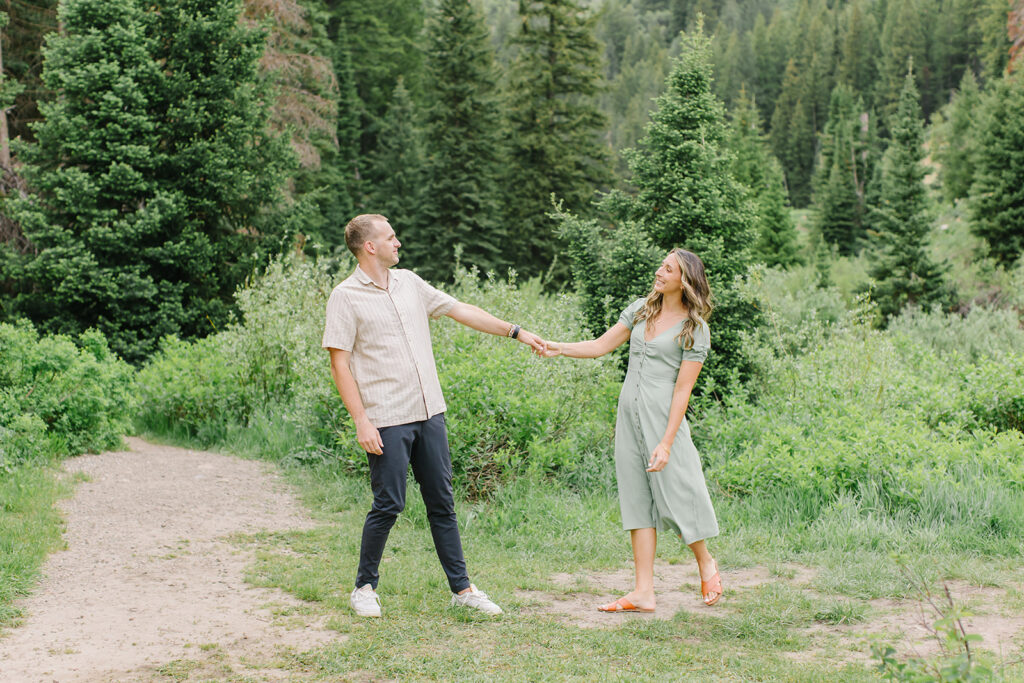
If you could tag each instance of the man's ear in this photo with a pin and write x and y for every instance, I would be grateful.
(370, 248)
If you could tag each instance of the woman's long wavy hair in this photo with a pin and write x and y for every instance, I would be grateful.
(696, 295)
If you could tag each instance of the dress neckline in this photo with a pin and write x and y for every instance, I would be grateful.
(660, 334)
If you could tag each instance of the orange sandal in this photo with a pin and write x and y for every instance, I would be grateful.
(622, 605)
(712, 585)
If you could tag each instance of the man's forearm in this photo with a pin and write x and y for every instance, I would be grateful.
(478, 319)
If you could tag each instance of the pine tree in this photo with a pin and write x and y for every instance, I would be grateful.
(822, 263)
(461, 204)
(997, 204)
(820, 56)
(347, 188)
(838, 191)
(687, 196)
(11, 183)
(758, 170)
(380, 40)
(954, 140)
(957, 43)
(299, 58)
(153, 171)
(769, 55)
(554, 127)
(857, 65)
(903, 38)
(396, 173)
(838, 211)
(793, 135)
(995, 39)
(732, 68)
(777, 243)
(9, 91)
(901, 267)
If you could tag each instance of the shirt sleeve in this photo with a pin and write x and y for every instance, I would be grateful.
(340, 327)
(626, 318)
(701, 345)
(435, 301)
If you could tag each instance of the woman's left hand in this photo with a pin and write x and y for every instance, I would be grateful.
(659, 458)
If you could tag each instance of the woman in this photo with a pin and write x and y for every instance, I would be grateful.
(658, 469)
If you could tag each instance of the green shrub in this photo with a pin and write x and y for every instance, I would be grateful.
(980, 333)
(193, 386)
(59, 397)
(865, 408)
(258, 362)
(993, 392)
(508, 411)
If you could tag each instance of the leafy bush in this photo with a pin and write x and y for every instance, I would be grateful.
(254, 363)
(980, 333)
(993, 392)
(59, 397)
(193, 386)
(508, 412)
(863, 409)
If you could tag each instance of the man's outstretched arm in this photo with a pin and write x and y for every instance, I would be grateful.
(366, 434)
(479, 319)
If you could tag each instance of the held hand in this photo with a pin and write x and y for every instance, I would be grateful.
(659, 458)
(369, 437)
(536, 343)
(553, 349)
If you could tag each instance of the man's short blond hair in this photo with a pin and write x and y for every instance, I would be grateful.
(359, 229)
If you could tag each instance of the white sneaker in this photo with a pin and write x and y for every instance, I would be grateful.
(476, 599)
(365, 601)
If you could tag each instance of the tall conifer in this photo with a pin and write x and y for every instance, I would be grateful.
(687, 195)
(152, 171)
(793, 136)
(463, 131)
(904, 37)
(903, 271)
(755, 167)
(396, 175)
(839, 187)
(858, 59)
(955, 139)
(997, 206)
(554, 126)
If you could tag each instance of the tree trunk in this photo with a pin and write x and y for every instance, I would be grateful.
(5, 142)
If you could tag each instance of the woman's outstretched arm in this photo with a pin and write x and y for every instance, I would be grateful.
(610, 340)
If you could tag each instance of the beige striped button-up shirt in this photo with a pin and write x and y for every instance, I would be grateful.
(388, 335)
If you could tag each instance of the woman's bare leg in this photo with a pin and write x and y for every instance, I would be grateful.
(645, 542)
(705, 563)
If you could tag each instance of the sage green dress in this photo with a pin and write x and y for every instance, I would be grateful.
(676, 498)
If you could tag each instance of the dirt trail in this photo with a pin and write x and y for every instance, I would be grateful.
(149, 577)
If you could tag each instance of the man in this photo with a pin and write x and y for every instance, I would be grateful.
(382, 362)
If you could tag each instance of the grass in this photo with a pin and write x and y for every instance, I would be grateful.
(517, 540)
(30, 527)
(823, 570)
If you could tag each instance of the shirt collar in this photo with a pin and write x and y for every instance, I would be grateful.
(365, 279)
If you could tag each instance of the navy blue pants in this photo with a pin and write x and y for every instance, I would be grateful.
(424, 445)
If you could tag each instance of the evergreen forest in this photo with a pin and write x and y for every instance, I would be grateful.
(153, 157)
